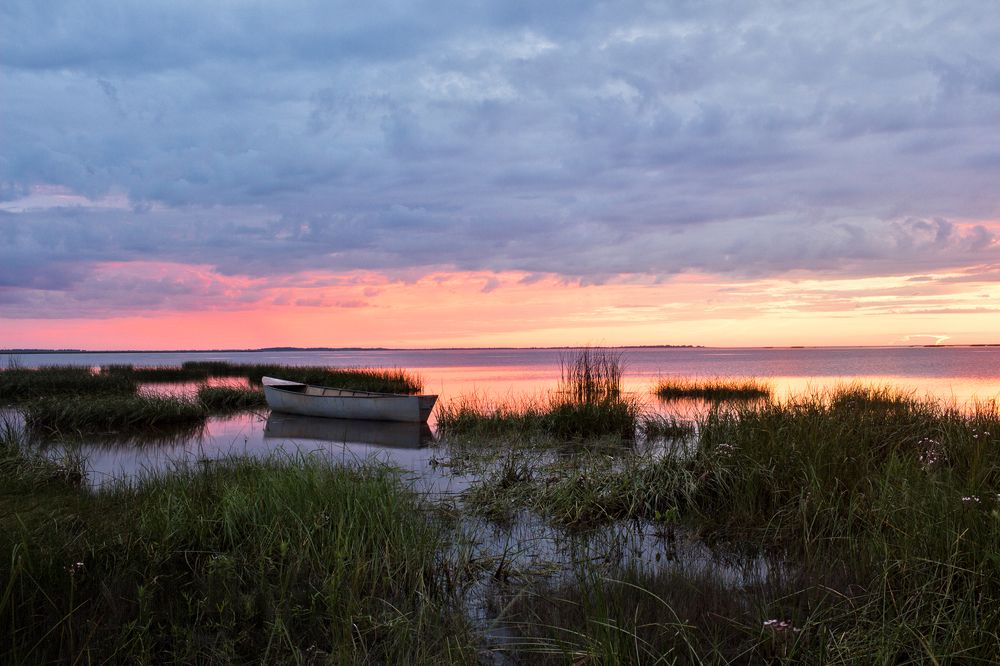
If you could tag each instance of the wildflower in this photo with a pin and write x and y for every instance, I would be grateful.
(75, 568)
(932, 453)
(780, 626)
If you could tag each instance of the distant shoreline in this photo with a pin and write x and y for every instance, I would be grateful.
(437, 349)
(326, 349)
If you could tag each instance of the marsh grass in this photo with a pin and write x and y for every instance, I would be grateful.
(587, 404)
(76, 415)
(669, 616)
(664, 426)
(899, 496)
(880, 512)
(591, 375)
(157, 373)
(713, 389)
(21, 384)
(361, 379)
(230, 398)
(380, 380)
(240, 561)
(548, 419)
(24, 469)
(580, 493)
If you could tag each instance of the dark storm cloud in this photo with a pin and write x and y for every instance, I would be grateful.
(584, 139)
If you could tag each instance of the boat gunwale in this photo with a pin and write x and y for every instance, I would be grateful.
(367, 394)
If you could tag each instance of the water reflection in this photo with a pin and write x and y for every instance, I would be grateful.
(410, 447)
(377, 433)
(178, 437)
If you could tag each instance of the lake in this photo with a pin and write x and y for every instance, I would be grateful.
(952, 374)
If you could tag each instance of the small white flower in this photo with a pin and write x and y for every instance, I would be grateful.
(778, 626)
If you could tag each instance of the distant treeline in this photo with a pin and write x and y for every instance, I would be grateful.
(318, 349)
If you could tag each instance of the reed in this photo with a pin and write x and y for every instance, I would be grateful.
(555, 418)
(240, 561)
(78, 415)
(591, 375)
(230, 398)
(587, 404)
(715, 389)
(21, 384)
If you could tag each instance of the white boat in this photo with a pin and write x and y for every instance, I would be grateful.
(337, 403)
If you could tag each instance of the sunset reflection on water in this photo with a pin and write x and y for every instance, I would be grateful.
(957, 376)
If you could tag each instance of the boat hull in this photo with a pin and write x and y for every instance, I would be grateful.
(293, 398)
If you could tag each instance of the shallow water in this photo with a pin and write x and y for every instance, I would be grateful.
(528, 550)
(954, 374)
(958, 373)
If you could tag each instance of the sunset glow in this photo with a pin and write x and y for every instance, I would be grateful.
(514, 309)
(498, 178)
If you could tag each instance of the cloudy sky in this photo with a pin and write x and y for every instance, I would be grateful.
(235, 173)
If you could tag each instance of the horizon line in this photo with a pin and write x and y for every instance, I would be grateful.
(281, 349)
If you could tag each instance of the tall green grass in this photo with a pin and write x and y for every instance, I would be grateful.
(22, 384)
(230, 398)
(157, 373)
(718, 388)
(109, 414)
(591, 375)
(242, 561)
(588, 403)
(470, 417)
(361, 379)
(885, 507)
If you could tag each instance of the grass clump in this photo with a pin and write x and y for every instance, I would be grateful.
(110, 414)
(230, 398)
(719, 388)
(588, 404)
(591, 375)
(884, 508)
(361, 379)
(273, 561)
(156, 373)
(659, 426)
(581, 493)
(24, 470)
(22, 384)
(556, 418)
(379, 380)
(663, 616)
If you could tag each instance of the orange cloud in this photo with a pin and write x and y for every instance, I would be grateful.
(518, 309)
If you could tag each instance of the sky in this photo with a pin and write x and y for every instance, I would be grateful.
(232, 174)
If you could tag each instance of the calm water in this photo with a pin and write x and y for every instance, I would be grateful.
(954, 374)
(958, 373)
(528, 544)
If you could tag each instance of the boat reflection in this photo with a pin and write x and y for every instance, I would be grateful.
(398, 435)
